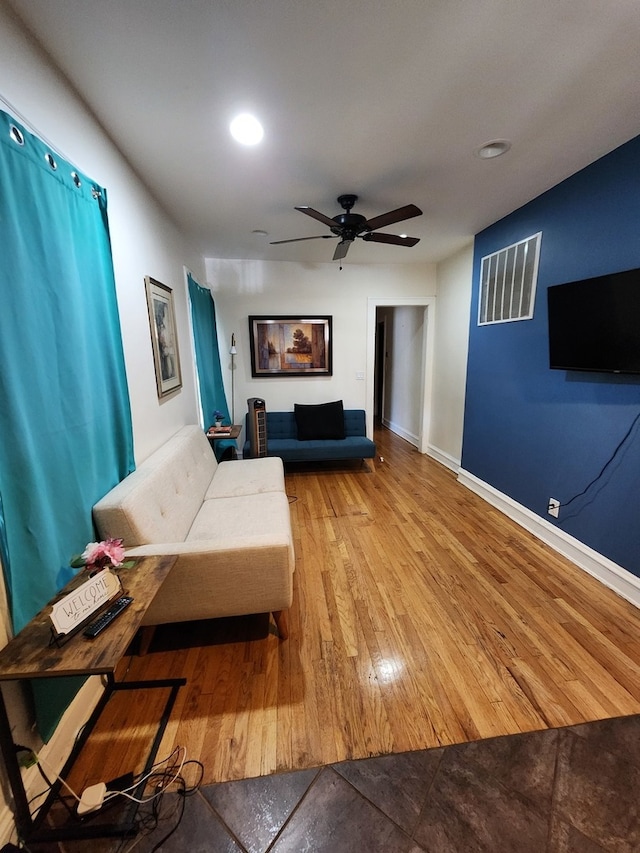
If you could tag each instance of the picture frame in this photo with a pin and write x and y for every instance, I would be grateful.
(164, 337)
(291, 345)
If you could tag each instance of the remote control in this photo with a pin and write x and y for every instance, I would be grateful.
(94, 628)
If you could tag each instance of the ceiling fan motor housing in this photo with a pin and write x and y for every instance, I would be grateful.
(349, 222)
(349, 225)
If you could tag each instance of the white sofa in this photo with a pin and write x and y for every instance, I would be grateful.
(228, 522)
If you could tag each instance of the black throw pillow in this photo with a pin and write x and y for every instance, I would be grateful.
(325, 420)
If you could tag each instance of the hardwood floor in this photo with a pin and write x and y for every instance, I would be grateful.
(421, 617)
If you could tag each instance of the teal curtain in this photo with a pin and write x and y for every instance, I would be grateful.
(65, 418)
(205, 335)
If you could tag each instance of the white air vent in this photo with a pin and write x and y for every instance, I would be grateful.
(508, 282)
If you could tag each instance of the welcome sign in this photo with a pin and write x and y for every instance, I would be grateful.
(75, 607)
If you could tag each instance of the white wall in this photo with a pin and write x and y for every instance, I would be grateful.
(144, 241)
(242, 288)
(451, 348)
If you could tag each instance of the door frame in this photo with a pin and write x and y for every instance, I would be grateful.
(429, 305)
(380, 367)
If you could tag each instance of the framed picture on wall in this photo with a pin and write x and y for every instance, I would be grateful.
(290, 346)
(164, 338)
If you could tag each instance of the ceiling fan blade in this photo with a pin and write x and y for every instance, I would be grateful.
(298, 239)
(317, 215)
(341, 249)
(398, 215)
(391, 239)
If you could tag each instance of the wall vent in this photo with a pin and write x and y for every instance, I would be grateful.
(508, 280)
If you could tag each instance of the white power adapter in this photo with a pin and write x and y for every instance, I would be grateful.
(92, 798)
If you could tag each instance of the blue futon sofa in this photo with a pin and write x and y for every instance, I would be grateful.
(284, 430)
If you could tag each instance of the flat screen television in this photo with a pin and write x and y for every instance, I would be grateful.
(594, 324)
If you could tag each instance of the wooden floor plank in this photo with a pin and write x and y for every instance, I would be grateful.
(422, 616)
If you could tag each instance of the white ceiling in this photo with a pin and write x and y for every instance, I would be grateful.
(387, 99)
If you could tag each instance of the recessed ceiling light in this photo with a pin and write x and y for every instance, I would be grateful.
(246, 129)
(260, 232)
(493, 149)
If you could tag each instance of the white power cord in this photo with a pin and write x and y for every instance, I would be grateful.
(161, 787)
(41, 760)
(95, 796)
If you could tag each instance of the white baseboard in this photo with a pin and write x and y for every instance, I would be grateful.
(56, 752)
(626, 584)
(444, 458)
(403, 433)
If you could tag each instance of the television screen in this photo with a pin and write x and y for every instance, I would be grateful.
(595, 324)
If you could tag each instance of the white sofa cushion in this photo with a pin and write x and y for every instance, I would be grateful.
(247, 477)
(243, 520)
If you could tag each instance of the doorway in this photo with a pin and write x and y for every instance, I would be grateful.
(421, 364)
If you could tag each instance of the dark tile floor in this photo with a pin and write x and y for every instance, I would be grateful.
(573, 790)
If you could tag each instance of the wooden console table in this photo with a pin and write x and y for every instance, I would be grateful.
(32, 654)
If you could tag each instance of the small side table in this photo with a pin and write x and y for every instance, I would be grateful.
(30, 654)
(234, 433)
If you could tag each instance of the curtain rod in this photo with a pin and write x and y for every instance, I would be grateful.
(25, 121)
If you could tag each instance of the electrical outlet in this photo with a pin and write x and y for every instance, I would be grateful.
(553, 507)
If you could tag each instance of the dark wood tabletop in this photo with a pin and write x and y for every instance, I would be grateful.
(234, 432)
(32, 654)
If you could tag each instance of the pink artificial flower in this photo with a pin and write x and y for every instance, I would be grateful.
(103, 554)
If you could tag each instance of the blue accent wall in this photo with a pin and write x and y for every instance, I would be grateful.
(534, 433)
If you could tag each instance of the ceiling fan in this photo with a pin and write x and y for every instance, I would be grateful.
(347, 226)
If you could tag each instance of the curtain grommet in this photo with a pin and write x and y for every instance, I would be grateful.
(16, 134)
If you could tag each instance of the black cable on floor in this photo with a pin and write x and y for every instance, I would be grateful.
(150, 821)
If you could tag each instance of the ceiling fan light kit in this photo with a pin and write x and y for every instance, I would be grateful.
(348, 226)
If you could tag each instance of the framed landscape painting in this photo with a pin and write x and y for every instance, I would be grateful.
(164, 339)
(290, 346)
